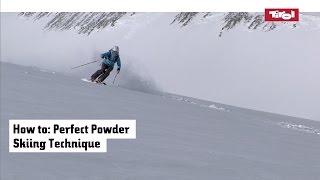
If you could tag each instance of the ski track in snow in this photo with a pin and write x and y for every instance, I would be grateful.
(299, 127)
(213, 106)
(42, 70)
(218, 107)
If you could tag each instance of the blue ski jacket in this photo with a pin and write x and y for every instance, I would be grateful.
(110, 59)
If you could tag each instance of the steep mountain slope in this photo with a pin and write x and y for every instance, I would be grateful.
(177, 137)
(86, 23)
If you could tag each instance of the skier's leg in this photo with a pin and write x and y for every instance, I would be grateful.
(99, 72)
(105, 75)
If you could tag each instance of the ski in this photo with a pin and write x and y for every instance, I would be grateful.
(87, 80)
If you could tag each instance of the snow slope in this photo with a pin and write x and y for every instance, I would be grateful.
(177, 137)
(274, 71)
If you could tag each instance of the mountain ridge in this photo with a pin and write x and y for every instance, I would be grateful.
(86, 23)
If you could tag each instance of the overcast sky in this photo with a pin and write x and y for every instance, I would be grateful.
(276, 71)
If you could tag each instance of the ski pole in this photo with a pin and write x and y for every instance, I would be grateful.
(115, 78)
(84, 64)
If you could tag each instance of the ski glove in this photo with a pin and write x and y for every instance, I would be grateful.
(118, 70)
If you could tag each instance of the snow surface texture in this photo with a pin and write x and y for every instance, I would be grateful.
(177, 137)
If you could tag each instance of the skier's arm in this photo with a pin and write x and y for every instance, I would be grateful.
(105, 55)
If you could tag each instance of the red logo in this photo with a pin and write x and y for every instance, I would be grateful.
(281, 15)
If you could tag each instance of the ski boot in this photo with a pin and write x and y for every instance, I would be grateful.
(100, 82)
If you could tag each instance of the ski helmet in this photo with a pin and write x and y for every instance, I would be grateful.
(116, 49)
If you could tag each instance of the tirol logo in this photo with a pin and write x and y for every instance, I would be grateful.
(281, 15)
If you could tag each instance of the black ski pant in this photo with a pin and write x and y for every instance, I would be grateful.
(102, 73)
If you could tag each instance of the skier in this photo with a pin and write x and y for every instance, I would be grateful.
(109, 58)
